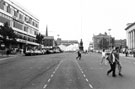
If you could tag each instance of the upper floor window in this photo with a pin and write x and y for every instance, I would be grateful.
(8, 9)
(2, 3)
(26, 19)
(36, 25)
(25, 28)
(15, 13)
(20, 16)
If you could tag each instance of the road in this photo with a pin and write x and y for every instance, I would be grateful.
(63, 71)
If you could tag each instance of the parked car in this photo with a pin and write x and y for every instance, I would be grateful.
(29, 52)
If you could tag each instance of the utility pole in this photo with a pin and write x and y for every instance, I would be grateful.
(109, 38)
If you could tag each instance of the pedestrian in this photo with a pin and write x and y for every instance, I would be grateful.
(118, 61)
(112, 63)
(103, 57)
(7, 52)
(126, 52)
(78, 55)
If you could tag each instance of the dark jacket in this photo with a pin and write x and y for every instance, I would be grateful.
(110, 58)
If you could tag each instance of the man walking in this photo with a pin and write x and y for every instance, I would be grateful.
(112, 62)
(117, 61)
(79, 55)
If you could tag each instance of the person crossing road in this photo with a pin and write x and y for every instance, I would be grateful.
(78, 55)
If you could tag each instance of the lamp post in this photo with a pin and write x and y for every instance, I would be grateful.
(109, 38)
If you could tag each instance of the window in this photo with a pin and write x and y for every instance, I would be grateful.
(30, 20)
(15, 13)
(25, 28)
(20, 16)
(26, 19)
(35, 33)
(33, 23)
(36, 25)
(18, 25)
(2, 3)
(8, 9)
(4, 18)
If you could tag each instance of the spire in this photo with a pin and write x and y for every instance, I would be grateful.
(81, 43)
(46, 31)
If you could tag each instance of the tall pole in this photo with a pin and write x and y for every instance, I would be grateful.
(109, 38)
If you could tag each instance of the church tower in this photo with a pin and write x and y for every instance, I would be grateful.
(81, 46)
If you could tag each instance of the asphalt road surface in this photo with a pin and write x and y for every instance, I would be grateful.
(63, 71)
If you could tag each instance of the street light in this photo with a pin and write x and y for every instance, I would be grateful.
(109, 37)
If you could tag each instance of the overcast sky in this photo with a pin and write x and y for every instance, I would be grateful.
(76, 19)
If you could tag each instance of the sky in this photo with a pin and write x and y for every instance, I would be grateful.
(81, 19)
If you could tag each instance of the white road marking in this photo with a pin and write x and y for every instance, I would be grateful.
(87, 80)
(49, 80)
(90, 86)
(52, 74)
(84, 75)
(82, 71)
(45, 86)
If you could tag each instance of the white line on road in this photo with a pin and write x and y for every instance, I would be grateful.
(49, 80)
(90, 86)
(45, 86)
(84, 75)
(53, 74)
(82, 71)
(87, 80)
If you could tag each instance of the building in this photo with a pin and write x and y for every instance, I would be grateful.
(48, 41)
(91, 47)
(120, 43)
(67, 45)
(24, 24)
(99, 40)
(130, 35)
(66, 42)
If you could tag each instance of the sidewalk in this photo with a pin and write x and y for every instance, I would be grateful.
(10, 56)
(129, 56)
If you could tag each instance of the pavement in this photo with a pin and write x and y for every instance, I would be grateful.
(128, 57)
(3, 57)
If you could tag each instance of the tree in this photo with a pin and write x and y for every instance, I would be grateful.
(7, 34)
(39, 38)
(103, 44)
